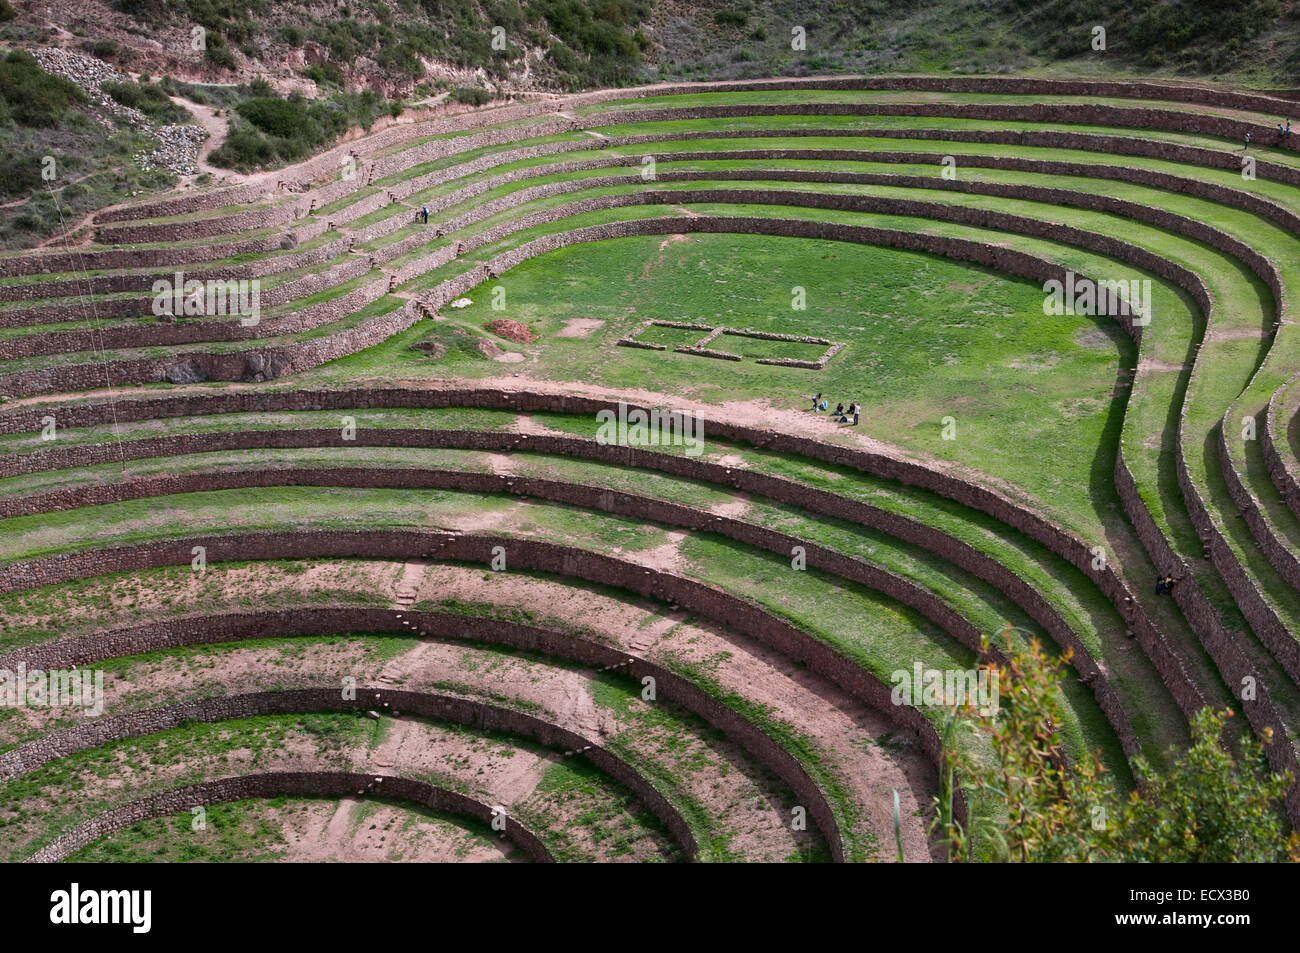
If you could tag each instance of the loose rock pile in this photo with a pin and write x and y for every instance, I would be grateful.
(178, 149)
(178, 152)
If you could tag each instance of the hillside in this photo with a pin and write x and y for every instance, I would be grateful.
(400, 48)
(266, 84)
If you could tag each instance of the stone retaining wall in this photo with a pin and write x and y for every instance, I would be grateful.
(329, 162)
(1091, 114)
(316, 620)
(706, 601)
(312, 317)
(1118, 144)
(963, 491)
(1275, 432)
(194, 330)
(293, 357)
(1221, 645)
(254, 364)
(787, 491)
(285, 784)
(472, 713)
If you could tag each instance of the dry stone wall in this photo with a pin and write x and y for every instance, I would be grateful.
(286, 784)
(963, 491)
(787, 491)
(704, 600)
(233, 627)
(472, 713)
(1275, 430)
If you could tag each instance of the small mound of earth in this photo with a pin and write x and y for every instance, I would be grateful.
(434, 349)
(579, 327)
(511, 330)
(489, 349)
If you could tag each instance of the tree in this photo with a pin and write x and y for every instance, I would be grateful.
(1209, 806)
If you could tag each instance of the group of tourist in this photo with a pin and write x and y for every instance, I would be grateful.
(841, 414)
(1283, 134)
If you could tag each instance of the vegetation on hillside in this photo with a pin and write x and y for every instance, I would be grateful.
(266, 130)
(1208, 807)
(1253, 40)
(572, 43)
(401, 45)
(56, 161)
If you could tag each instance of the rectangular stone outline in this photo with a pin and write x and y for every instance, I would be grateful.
(701, 349)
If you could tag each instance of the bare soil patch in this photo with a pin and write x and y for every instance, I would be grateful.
(579, 327)
(359, 831)
(489, 349)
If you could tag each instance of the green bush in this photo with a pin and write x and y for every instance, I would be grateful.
(322, 73)
(1209, 806)
(19, 174)
(217, 52)
(150, 100)
(32, 96)
(279, 117)
(142, 9)
(244, 149)
(471, 95)
(271, 130)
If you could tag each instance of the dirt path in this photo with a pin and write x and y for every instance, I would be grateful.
(218, 129)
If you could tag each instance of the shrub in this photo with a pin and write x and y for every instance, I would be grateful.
(322, 73)
(279, 117)
(1209, 806)
(19, 174)
(244, 149)
(150, 100)
(275, 130)
(33, 96)
(217, 52)
(471, 95)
